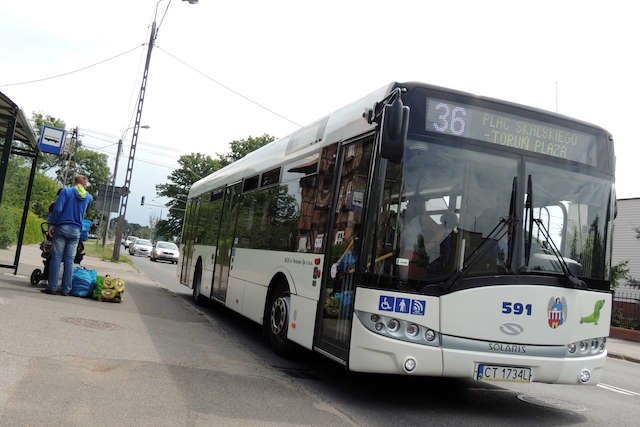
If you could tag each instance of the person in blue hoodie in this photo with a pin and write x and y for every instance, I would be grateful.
(65, 224)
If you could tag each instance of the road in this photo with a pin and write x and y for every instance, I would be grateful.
(360, 399)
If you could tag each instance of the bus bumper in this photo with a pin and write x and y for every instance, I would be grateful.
(560, 370)
(371, 352)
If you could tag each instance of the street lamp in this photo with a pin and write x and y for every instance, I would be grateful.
(136, 127)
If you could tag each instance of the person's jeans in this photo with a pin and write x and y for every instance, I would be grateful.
(64, 246)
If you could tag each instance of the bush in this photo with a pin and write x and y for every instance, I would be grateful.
(8, 226)
(10, 218)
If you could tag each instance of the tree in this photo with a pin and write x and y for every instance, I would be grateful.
(194, 167)
(242, 147)
(618, 272)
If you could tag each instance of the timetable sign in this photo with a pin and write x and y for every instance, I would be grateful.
(51, 140)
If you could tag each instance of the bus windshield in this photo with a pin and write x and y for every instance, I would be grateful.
(443, 202)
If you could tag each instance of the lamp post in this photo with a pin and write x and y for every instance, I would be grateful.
(113, 183)
(134, 138)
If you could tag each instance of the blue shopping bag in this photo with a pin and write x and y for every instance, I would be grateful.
(83, 282)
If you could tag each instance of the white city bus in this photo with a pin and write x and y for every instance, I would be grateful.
(418, 231)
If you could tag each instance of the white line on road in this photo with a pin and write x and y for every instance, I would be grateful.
(618, 389)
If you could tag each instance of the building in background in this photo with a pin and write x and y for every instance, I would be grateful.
(626, 247)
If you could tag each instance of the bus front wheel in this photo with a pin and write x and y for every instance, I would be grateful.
(278, 322)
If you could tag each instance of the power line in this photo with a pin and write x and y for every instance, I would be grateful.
(72, 71)
(246, 98)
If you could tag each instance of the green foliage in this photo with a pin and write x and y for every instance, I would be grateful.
(39, 120)
(618, 318)
(194, 167)
(617, 272)
(10, 218)
(242, 147)
(43, 192)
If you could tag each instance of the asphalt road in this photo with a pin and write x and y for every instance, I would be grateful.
(374, 400)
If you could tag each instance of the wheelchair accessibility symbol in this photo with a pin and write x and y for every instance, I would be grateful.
(416, 307)
(386, 303)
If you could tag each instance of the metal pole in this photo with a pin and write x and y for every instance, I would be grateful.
(113, 183)
(132, 152)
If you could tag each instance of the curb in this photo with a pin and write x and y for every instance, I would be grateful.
(623, 357)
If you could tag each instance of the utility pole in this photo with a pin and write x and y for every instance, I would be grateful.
(132, 150)
(134, 138)
(70, 153)
(113, 183)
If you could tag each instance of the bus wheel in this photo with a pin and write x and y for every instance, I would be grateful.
(278, 322)
(197, 279)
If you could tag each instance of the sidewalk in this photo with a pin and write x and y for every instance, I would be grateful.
(30, 259)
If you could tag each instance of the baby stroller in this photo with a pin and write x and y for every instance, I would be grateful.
(38, 275)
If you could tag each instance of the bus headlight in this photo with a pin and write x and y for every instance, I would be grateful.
(586, 347)
(429, 335)
(413, 330)
(393, 325)
(399, 329)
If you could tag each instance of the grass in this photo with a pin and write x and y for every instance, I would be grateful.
(91, 249)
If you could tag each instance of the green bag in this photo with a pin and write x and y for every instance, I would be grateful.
(97, 291)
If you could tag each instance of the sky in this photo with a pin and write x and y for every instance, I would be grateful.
(223, 71)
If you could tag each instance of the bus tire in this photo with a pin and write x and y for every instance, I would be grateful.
(277, 320)
(198, 299)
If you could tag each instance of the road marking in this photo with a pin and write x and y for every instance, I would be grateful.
(618, 389)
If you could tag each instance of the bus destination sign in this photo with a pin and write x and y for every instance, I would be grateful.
(510, 130)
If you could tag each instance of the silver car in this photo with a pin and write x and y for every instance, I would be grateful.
(140, 247)
(165, 251)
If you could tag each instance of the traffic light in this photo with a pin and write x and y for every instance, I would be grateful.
(142, 201)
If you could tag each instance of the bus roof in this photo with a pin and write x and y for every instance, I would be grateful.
(339, 125)
(345, 123)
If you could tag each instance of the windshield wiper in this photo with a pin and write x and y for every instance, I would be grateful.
(571, 278)
(512, 224)
(504, 226)
(528, 206)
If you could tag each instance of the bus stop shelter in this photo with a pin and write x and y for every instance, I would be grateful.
(18, 155)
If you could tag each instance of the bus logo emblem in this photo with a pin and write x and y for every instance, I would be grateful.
(557, 311)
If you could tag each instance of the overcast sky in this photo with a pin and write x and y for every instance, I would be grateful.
(304, 59)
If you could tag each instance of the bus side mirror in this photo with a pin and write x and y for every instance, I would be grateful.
(395, 124)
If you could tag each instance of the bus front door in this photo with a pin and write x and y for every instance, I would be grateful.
(224, 256)
(335, 312)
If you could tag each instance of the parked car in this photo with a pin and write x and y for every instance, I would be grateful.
(129, 241)
(140, 247)
(165, 251)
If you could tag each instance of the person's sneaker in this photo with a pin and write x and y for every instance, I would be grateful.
(47, 291)
(64, 294)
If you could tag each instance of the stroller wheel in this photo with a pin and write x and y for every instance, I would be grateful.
(36, 276)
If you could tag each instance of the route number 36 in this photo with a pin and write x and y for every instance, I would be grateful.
(516, 308)
(451, 119)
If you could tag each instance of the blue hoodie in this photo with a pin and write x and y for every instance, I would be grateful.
(70, 207)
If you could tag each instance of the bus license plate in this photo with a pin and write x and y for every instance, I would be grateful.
(503, 373)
